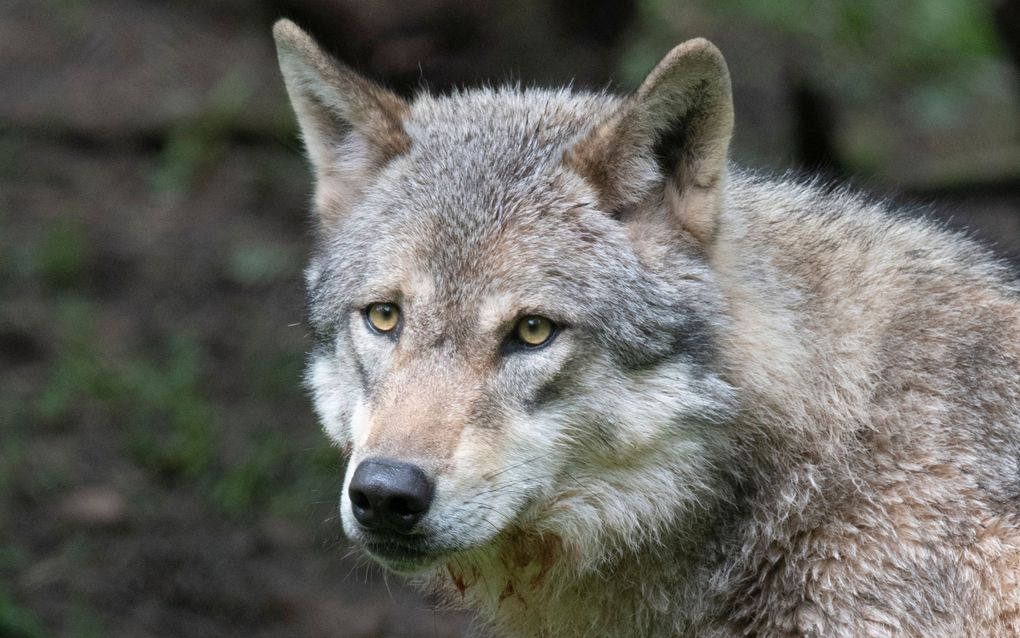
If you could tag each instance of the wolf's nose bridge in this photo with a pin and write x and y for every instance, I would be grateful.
(389, 495)
(423, 410)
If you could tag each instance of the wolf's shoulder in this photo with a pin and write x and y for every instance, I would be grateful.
(823, 224)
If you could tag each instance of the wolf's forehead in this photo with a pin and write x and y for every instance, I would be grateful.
(483, 164)
(481, 206)
(501, 133)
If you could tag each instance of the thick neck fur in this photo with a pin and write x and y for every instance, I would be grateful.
(821, 345)
(529, 585)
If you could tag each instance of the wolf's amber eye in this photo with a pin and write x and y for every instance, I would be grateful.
(534, 330)
(383, 317)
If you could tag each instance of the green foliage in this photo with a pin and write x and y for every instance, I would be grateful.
(171, 428)
(898, 75)
(11, 452)
(938, 32)
(18, 622)
(85, 622)
(61, 254)
(195, 144)
(924, 40)
(168, 425)
(274, 477)
(18, 477)
(252, 481)
(253, 264)
(56, 255)
(75, 371)
(13, 557)
(317, 479)
(276, 374)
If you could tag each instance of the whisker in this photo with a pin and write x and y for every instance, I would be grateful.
(492, 475)
(580, 485)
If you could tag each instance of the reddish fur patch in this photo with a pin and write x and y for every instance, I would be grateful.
(508, 591)
(549, 552)
(532, 549)
(458, 580)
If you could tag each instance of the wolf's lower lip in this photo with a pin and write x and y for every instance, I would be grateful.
(401, 556)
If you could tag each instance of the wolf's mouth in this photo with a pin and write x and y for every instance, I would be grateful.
(404, 555)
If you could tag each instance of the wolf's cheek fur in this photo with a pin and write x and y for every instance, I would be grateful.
(339, 380)
(644, 452)
(335, 390)
(493, 480)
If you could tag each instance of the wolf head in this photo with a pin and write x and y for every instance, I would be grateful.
(515, 323)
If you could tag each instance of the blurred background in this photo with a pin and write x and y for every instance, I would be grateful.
(161, 473)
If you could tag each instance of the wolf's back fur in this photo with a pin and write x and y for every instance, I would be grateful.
(775, 408)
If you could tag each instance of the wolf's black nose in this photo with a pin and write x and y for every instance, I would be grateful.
(389, 495)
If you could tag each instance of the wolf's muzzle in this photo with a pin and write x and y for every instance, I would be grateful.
(388, 495)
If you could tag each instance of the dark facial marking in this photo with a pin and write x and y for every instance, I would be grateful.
(685, 336)
(359, 368)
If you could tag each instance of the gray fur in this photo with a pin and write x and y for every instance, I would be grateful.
(772, 409)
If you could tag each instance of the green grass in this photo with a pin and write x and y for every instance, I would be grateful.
(166, 418)
(15, 620)
(252, 264)
(276, 375)
(85, 622)
(250, 483)
(62, 254)
(12, 433)
(56, 258)
(317, 481)
(18, 622)
(14, 557)
(172, 428)
(156, 397)
(78, 371)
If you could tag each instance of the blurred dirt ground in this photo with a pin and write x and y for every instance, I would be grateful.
(161, 473)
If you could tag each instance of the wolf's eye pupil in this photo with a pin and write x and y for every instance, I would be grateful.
(383, 317)
(534, 330)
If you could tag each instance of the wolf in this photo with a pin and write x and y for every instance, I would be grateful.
(594, 380)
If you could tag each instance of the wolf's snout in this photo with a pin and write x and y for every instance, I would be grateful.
(389, 495)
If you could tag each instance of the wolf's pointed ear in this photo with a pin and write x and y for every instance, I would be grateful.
(351, 126)
(673, 134)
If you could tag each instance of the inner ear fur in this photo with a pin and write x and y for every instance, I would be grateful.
(670, 137)
(351, 126)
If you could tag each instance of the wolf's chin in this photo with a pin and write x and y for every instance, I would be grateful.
(405, 567)
(409, 560)
(401, 559)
